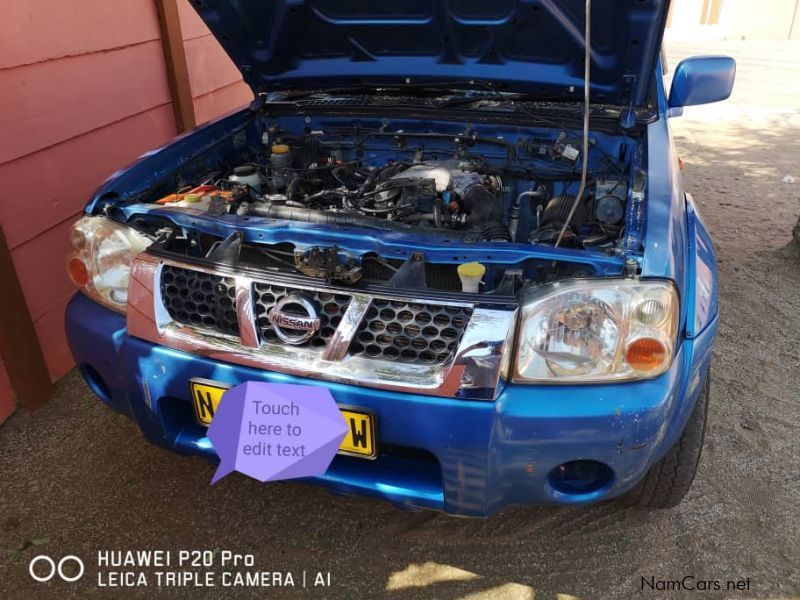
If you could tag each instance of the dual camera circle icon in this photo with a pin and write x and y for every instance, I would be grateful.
(54, 568)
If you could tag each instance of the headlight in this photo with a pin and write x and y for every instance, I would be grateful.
(100, 262)
(596, 330)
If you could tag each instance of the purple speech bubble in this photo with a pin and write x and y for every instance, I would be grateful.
(273, 431)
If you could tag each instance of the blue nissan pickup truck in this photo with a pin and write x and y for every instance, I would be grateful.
(465, 219)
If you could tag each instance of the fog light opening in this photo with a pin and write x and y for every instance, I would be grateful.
(580, 476)
(95, 383)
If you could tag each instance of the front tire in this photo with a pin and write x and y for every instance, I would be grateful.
(669, 480)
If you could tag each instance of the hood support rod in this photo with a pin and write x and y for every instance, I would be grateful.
(587, 61)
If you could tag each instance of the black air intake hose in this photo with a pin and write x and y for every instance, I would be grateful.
(495, 232)
(557, 211)
(482, 206)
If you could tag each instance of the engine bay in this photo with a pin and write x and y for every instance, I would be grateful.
(446, 183)
(308, 180)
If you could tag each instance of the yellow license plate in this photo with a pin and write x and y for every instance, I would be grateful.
(360, 439)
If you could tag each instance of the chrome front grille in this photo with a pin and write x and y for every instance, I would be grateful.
(395, 330)
(447, 347)
(330, 308)
(411, 332)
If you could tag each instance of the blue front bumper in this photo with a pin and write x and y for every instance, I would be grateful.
(464, 457)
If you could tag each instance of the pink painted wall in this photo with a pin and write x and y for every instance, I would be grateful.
(216, 83)
(84, 93)
(82, 96)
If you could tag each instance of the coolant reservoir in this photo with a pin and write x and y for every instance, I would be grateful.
(248, 175)
(471, 275)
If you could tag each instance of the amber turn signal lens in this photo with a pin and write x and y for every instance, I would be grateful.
(646, 354)
(77, 271)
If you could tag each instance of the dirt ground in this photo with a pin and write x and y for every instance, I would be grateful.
(77, 478)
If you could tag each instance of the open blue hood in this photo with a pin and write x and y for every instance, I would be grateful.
(530, 46)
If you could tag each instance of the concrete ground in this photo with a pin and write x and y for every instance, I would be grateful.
(77, 478)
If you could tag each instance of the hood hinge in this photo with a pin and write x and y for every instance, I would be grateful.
(258, 102)
(628, 117)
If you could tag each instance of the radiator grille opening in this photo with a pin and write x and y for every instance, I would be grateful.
(200, 299)
(411, 332)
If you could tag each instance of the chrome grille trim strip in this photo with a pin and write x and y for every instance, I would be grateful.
(337, 348)
(474, 373)
(245, 312)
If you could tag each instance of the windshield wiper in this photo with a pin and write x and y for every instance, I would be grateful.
(291, 95)
(465, 100)
(475, 89)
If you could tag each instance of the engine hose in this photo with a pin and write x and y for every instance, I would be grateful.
(495, 232)
(307, 215)
(380, 174)
(339, 193)
(368, 182)
(291, 189)
(438, 207)
(516, 206)
(417, 217)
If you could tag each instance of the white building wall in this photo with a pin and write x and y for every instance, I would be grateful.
(739, 19)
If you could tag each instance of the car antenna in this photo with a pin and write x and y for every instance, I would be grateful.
(587, 60)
